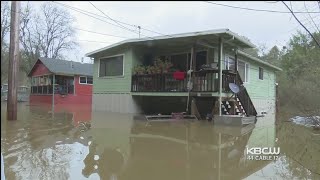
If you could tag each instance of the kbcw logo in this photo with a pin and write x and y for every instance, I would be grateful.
(264, 151)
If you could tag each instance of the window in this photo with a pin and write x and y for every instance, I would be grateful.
(89, 80)
(180, 62)
(230, 63)
(111, 66)
(85, 80)
(247, 72)
(201, 59)
(243, 69)
(260, 73)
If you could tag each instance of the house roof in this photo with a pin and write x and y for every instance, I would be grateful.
(259, 60)
(58, 66)
(225, 33)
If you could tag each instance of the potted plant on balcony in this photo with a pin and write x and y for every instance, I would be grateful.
(166, 66)
(157, 69)
(158, 65)
(139, 70)
(150, 69)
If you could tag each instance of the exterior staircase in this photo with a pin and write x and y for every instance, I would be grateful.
(241, 104)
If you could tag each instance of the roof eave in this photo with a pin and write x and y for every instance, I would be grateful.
(259, 60)
(241, 39)
(217, 32)
(39, 59)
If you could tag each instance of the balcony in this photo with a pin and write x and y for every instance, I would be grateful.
(203, 81)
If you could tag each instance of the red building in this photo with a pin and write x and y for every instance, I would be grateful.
(63, 86)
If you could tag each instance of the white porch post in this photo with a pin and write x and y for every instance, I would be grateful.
(220, 73)
(53, 82)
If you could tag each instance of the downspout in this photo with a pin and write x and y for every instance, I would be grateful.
(220, 73)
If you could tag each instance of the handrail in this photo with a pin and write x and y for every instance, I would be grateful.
(203, 81)
(244, 98)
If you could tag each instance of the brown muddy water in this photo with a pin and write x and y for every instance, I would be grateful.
(117, 146)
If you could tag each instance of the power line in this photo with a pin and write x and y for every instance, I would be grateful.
(88, 14)
(118, 22)
(251, 9)
(136, 26)
(110, 17)
(83, 12)
(297, 27)
(311, 17)
(94, 41)
(90, 30)
(302, 24)
(102, 33)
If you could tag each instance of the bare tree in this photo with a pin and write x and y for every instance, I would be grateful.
(48, 33)
(58, 31)
(5, 28)
(5, 20)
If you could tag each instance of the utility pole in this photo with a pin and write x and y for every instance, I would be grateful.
(14, 61)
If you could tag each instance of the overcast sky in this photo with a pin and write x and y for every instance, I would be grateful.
(179, 17)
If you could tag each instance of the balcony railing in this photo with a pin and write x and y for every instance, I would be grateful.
(59, 89)
(203, 81)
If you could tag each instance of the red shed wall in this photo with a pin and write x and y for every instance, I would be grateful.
(82, 89)
(39, 69)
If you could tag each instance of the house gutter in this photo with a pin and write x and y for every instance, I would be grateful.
(258, 60)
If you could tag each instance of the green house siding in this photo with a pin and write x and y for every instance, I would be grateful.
(113, 84)
(259, 89)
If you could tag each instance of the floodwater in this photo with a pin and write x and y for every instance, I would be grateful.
(42, 145)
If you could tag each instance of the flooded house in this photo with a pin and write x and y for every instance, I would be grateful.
(189, 72)
(62, 85)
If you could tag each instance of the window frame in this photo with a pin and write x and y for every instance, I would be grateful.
(110, 77)
(227, 62)
(261, 68)
(246, 71)
(86, 83)
(246, 67)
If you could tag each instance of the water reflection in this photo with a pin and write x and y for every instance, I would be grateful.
(114, 146)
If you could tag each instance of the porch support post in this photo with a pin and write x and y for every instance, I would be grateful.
(53, 82)
(190, 75)
(220, 72)
(236, 63)
(236, 60)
